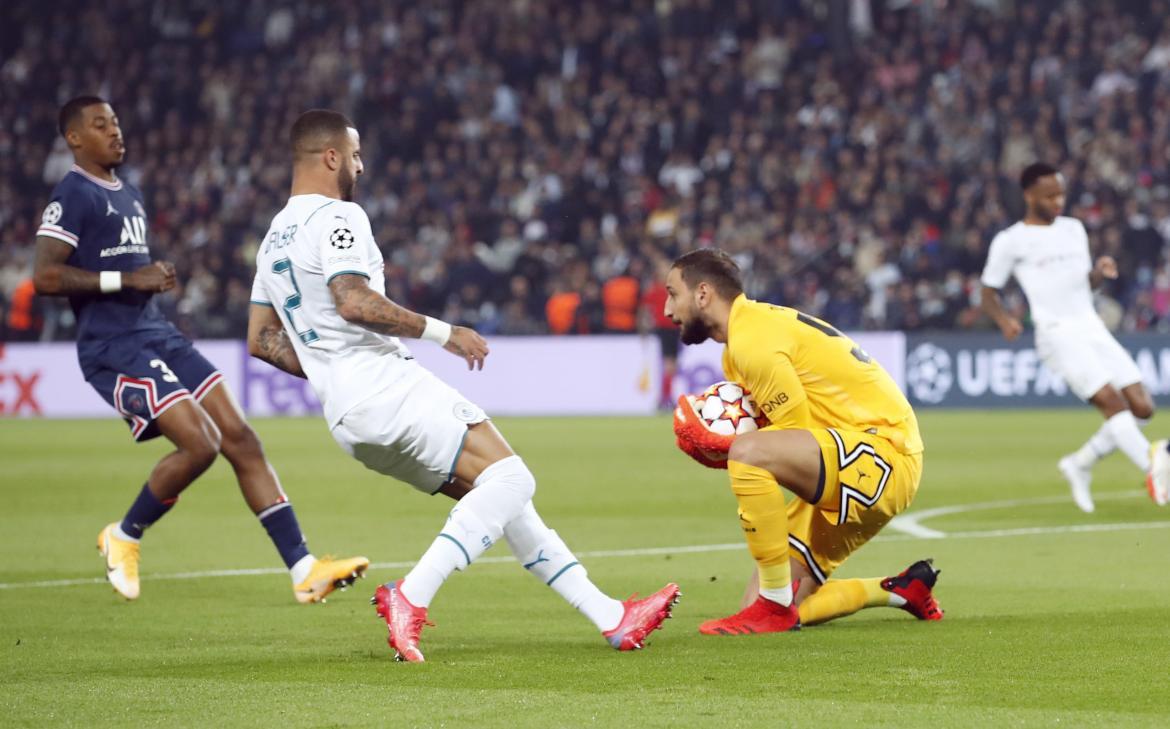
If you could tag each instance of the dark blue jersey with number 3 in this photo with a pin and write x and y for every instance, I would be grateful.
(105, 222)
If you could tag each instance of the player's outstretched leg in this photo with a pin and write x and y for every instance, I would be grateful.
(196, 444)
(545, 555)
(312, 579)
(910, 590)
(501, 490)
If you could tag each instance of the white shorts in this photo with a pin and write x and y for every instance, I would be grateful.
(1087, 356)
(413, 431)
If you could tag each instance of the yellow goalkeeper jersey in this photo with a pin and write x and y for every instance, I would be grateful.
(805, 374)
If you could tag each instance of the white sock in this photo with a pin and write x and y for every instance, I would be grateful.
(1129, 438)
(544, 554)
(474, 525)
(442, 558)
(123, 535)
(300, 571)
(782, 595)
(1099, 445)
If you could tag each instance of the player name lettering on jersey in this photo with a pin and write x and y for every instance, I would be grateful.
(279, 239)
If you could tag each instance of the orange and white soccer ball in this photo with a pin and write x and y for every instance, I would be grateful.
(728, 409)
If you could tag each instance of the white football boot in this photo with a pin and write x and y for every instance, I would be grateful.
(1079, 482)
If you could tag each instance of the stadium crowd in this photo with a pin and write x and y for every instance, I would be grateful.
(533, 167)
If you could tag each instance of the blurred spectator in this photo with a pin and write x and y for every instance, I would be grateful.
(619, 296)
(23, 316)
(529, 164)
(562, 311)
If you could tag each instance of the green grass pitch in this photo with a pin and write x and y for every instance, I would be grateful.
(1053, 617)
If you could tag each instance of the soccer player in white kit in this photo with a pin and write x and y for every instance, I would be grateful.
(319, 311)
(1048, 253)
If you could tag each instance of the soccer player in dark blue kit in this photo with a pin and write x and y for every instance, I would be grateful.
(92, 247)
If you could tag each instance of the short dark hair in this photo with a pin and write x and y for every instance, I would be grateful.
(1034, 172)
(72, 109)
(713, 266)
(316, 130)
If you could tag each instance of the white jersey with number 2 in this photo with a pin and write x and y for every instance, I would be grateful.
(311, 241)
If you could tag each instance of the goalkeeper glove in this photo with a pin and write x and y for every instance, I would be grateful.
(697, 440)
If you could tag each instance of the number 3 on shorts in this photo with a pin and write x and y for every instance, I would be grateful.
(167, 375)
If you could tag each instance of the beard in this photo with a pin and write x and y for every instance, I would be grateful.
(694, 332)
(346, 182)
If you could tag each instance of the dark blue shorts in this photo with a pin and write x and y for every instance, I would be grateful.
(143, 376)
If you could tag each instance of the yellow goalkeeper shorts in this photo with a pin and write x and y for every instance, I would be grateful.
(867, 482)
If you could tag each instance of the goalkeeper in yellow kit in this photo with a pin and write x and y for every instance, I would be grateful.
(841, 438)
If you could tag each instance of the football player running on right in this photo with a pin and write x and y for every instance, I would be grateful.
(1048, 253)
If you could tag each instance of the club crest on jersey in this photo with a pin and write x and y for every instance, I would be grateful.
(465, 412)
(52, 213)
(341, 239)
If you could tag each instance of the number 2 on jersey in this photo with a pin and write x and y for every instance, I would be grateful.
(293, 302)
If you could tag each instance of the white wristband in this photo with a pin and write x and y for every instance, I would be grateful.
(437, 331)
(110, 281)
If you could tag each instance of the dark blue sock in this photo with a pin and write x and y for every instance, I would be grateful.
(145, 510)
(285, 533)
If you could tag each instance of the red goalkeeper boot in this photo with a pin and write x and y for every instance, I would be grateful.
(762, 616)
(914, 585)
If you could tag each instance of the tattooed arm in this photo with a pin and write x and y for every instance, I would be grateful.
(268, 341)
(358, 304)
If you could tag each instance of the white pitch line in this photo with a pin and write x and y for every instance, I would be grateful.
(1029, 531)
(644, 552)
(912, 523)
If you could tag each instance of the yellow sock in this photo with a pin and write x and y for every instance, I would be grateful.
(765, 522)
(838, 598)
